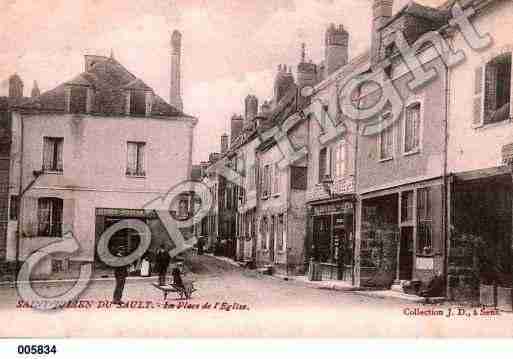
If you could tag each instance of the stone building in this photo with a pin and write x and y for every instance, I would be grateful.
(89, 153)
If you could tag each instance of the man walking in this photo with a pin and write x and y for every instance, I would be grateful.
(161, 263)
(120, 274)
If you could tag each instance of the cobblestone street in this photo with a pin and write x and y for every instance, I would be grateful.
(274, 308)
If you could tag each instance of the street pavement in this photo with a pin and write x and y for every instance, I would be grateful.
(231, 301)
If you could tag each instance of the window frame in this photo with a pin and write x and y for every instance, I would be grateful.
(138, 172)
(54, 167)
(340, 148)
(53, 203)
(486, 118)
(410, 104)
(390, 128)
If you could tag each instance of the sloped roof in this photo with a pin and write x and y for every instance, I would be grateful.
(109, 79)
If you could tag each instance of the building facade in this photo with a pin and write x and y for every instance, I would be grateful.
(89, 153)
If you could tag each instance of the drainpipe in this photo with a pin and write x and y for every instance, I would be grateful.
(22, 192)
(445, 205)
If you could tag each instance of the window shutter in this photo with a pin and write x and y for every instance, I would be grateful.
(478, 104)
(131, 157)
(59, 147)
(29, 216)
(140, 159)
(68, 215)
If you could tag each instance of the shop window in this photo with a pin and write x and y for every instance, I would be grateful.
(135, 160)
(263, 233)
(52, 154)
(497, 89)
(14, 205)
(407, 206)
(424, 228)
(280, 233)
(412, 128)
(49, 213)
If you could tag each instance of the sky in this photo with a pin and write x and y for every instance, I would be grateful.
(230, 48)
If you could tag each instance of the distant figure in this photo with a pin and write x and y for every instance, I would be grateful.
(177, 278)
(161, 263)
(200, 246)
(120, 273)
(145, 266)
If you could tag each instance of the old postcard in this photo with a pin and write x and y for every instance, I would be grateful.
(269, 169)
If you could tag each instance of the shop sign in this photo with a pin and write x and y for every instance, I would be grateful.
(344, 207)
(123, 212)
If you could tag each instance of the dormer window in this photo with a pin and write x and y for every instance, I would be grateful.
(138, 102)
(79, 99)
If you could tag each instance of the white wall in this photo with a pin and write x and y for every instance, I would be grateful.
(94, 166)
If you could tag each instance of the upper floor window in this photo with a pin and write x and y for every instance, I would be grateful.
(340, 160)
(52, 154)
(324, 163)
(492, 91)
(49, 214)
(497, 88)
(276, 179)
(135, 159)
(386, 143)
(412, 128)
(266, 181)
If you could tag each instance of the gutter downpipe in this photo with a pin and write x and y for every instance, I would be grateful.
(445, 194)
(20, 205)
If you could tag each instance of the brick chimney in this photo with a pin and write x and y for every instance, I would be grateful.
(235, 127)
(306, 71)
(381, 13)
(251, 109)
(224, 143)
(336, 42)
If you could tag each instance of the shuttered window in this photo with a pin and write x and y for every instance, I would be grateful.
(340, 160)
(276, 181)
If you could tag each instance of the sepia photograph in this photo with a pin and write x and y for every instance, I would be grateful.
(299, 169)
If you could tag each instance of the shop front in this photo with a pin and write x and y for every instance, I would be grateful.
(332, 239)
(402, 237)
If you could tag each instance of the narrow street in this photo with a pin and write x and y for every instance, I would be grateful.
(262, 306)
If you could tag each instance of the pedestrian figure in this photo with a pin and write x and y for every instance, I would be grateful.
(145, 267)
(120, 274)
(177, 277)
(161, 263)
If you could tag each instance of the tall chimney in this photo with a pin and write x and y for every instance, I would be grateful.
(35, 90)
(336, 42)
(306, 71)
(224, 143)
(175, 93)
(381, 13)
(15, 86)
(251, 109)
(236, 124)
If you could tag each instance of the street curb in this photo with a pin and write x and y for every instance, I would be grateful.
(318, 285)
